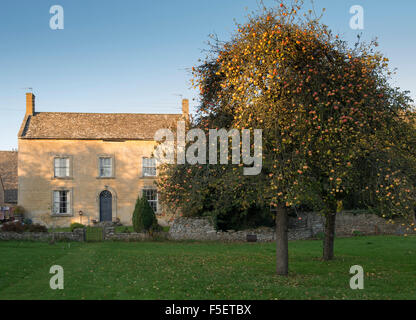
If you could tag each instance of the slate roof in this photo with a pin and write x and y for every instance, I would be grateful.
(95, 126)
(8, 173)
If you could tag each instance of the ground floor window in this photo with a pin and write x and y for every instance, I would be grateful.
(151, 195)
(61, 202)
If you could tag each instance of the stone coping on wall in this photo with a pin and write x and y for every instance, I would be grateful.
(43, 236)
(110, 234)
(303, 226)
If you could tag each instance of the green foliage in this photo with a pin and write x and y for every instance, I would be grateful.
(125, 230)
(19, 210)
(156, 227)
(76, 225)
(356, 233)
(144, 219)
(137, 218)
(239, 219)
(320, 235)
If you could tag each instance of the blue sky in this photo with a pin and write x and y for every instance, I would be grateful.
(135, 56)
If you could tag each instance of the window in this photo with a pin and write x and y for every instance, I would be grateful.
(106, 167)
(61, 167)
(151, 196)
(149, 167)
(61, 203)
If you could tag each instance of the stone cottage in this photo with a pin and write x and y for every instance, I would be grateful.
(8, 174)
(85, 167)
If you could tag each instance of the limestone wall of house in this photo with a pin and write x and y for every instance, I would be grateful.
(37, 182)
(1, 193)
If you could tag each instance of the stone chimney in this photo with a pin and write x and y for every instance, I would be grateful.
(30, 104)
(185, 108)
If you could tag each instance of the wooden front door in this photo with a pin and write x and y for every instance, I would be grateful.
(106, 206)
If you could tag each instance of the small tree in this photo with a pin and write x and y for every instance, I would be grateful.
(137, 217)
(144, 218)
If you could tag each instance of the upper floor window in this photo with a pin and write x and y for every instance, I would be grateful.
(149, 167)
(106, 167)
(61, 202)
(61, 167)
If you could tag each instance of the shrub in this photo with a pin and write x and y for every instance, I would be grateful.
(19, 210)
(356, 233)
(125, 230)
(144, 218)
(236, 218)
(156, 227)
(137, 219)
(27, 221)
(320, 235)
(13, 227)
(76, 225)
(20, 227)
(36, 227)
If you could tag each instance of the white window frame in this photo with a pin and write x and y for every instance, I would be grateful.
(56, 202)
(152, 202)
(62, 172)
(111, 166)
(149, 169)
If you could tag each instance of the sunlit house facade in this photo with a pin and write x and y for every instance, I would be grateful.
(85, 167)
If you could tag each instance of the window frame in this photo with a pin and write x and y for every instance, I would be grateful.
(69, 202)
(156, 201)
(144, 175)
(69, 170)
(104, 156)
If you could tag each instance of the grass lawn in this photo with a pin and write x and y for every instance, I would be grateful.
(191, 270)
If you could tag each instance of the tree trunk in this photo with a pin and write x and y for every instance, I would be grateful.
(282, 241)
(329, 236)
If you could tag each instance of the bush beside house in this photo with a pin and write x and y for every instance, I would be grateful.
(144, 218)
(20, 227)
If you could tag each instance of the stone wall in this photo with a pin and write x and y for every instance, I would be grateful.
(304, 226)
(365, 223)
(110, 234)
(77, 235)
